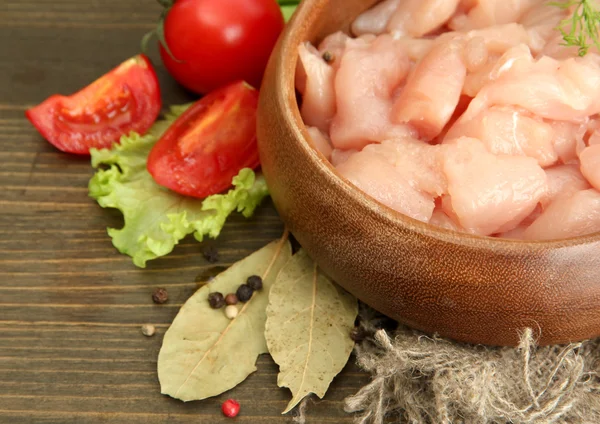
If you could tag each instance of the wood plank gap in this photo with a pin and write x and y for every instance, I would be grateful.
(94, 288)
(78, 349)
(58, 360)
(90, 306)
(76, 323)
(81, 25)
(34, 371)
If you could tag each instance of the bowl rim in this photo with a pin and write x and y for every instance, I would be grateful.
(286, 64)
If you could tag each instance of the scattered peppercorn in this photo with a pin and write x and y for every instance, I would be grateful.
(231, 311)
(328, 57)
(230, 408)
(160, 296)
(255, 282)
(148, 330)
(244, 293)
(211, 254)
(216, 300)
(231, 299)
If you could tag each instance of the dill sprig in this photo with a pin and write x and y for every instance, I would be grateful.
(581, 28)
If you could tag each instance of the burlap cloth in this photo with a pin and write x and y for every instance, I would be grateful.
(421, 379)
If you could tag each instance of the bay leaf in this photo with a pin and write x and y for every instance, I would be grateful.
(203, 352)
(309, 320)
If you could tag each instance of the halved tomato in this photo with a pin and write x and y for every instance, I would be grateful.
(209, 143)
(125, 99)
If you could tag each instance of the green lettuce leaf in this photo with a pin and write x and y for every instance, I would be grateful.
(156, 219)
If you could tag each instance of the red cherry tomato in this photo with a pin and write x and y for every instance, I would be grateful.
(217, 42)
(209, 143)
(125, 99)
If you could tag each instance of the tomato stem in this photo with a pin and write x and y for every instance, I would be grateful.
(146, 39)
(159, 31)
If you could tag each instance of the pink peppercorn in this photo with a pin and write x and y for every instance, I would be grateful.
(230, 408)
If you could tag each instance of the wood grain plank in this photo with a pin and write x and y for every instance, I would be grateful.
(71, 306)
(93, 418)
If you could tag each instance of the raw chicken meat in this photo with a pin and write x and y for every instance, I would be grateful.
(519, 231)
(320, 142)
(590, 164)
(568, 140)
(340, 156)
(541, 22)
(365, 82)
(415, 48)
(476, 53)
(497, 39)
(570, 215)
(470, 115)
(515, 57)
(419, 17)
(432, 91)
(563, 179)
(334, 45)
(505, 130)
(566, 90)
(490, 193)
(317, 88)
(371, 173)
(403, 174)
(440, 219)
(463, 104)
(486, 13)
(418, 161)
(592, 133)
(594, 138)
(375, 20)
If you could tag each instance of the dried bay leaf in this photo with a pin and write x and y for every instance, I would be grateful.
(309, 320)
(203, 352)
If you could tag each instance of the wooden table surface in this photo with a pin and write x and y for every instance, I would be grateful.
(71, 306)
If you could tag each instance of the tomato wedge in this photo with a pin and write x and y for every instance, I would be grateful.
(125, 99)
(209, 143)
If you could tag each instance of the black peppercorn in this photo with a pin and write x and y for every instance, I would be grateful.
(244, 293)
(211, 254)
(328, 57)
(216, 300)
(160, 296)
(231, 299)
(255, 282)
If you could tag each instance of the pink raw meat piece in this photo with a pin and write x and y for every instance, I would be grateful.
(570, 215)
(432, 92)
(364, 85)
(490, 193)
(315, 81)
(508, 131)
(320, 142)
(563, 179)
(590, 164)
(404, 174)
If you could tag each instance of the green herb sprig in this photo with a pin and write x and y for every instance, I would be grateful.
(581, 28)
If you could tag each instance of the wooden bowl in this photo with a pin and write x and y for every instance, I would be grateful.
(469, 288)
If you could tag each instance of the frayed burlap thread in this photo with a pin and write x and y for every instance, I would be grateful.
(429, 380)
